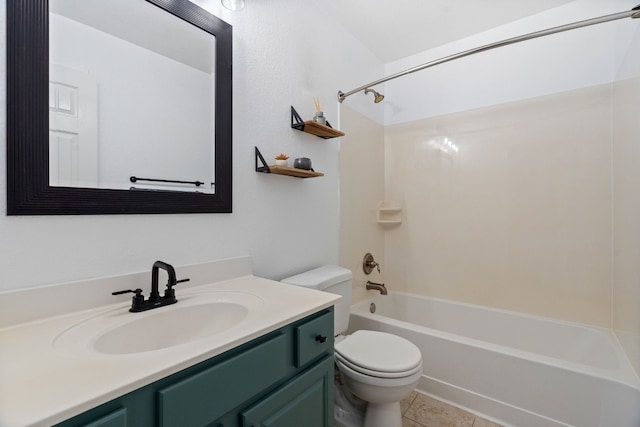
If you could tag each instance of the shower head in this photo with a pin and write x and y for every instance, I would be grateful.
(377, 95)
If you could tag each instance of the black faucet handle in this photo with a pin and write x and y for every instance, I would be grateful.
(170, 293)
(170, 285)
(136, 301)
(136, 291)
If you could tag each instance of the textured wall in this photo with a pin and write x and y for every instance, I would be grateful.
(284, 53)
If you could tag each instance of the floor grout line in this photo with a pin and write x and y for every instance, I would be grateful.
(443, 413)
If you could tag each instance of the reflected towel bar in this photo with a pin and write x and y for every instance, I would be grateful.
(196, 183)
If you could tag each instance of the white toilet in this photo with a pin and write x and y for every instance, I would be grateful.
(377, 367)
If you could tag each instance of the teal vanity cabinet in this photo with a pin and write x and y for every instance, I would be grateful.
(281, 379)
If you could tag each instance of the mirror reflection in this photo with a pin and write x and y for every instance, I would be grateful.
(127, 99)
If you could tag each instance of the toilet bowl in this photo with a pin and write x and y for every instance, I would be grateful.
(381, 369)
(377, 367)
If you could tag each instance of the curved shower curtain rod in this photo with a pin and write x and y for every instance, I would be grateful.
(633, 13)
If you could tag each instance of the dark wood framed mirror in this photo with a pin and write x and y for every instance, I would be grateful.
(28, 180)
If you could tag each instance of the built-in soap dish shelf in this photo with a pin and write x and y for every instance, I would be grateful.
(389, 214)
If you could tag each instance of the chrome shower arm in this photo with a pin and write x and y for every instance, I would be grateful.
(633, 13)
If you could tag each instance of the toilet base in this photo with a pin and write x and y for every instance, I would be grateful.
(382, 395)
(383, 415)
(348, 409)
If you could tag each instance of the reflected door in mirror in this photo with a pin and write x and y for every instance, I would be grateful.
(73, 128)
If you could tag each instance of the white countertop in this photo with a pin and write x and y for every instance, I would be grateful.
(41, 385)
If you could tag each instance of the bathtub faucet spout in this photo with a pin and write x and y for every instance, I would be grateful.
(377, 287)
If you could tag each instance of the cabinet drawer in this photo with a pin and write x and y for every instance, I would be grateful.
(313, 338)
(204, 397)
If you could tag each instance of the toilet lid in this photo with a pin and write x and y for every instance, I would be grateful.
(379, 352)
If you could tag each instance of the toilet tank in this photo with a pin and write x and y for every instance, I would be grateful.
(333, 279)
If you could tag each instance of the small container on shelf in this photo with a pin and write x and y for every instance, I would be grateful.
(319, 118)
(302, 163)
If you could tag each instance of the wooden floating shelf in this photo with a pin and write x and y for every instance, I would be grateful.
(317, 129)
(313, 128)
(298, 173)
(282, 170)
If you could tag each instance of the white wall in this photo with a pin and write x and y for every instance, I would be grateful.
(284, 53)
(547, 65)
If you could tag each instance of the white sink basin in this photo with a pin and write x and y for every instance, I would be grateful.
(191, 319)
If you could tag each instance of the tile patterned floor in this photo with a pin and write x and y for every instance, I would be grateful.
(419, 410)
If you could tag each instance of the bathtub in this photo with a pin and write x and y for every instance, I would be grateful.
(517, 369)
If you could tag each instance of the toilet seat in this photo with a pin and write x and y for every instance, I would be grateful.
(377, 374)
(379, 354)
(352, 375)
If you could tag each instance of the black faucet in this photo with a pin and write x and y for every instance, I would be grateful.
(138, 303)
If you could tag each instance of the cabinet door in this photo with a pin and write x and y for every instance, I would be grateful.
(206, 396)
(307, 401)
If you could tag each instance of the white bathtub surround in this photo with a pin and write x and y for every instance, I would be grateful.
(361, 189)
(519, 218)
(47, 375)
(626, 202)
(520, 369)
